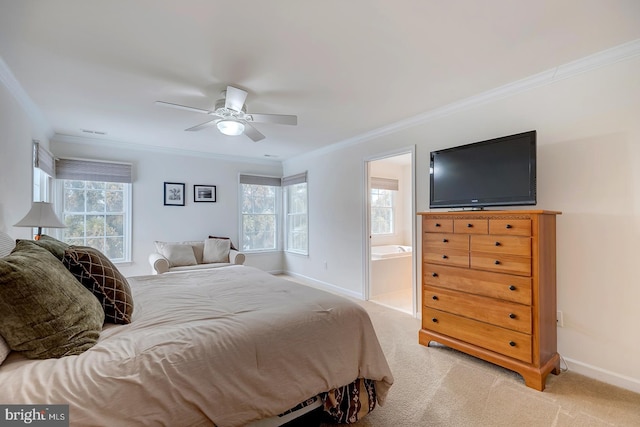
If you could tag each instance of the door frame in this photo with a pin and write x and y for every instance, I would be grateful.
(367, 222)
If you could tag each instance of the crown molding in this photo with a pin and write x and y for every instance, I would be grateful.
(30, 108)
(571, 69)
(98, 142)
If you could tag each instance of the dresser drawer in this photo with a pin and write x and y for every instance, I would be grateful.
(513, 245)
(509, 343)
(495, 285)
(432, 225)
(510, 227)
(471, 226)
(453, 257)
(509, 315)
(445, 241)
(501, 263)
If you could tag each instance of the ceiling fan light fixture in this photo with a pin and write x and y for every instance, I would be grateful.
(230, 127)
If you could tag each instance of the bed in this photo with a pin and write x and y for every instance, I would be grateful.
(225, 347)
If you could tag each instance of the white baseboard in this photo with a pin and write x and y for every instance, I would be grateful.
(326, 286)
(603, 375)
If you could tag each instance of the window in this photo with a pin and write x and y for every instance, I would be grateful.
(296, 219)
(42, 173)
(95, 204)
(95, 215)
(41, 186)
(381, 211)
(383, 205)
(260, 201)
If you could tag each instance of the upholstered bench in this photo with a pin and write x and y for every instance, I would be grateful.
(194, 255)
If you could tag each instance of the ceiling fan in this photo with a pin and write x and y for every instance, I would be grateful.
(231, 117)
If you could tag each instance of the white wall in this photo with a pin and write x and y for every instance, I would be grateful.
(16, 172)
(194, 221)
(588, 168)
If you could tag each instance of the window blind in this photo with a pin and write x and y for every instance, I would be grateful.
(260, 180)
(91, 170)
(43, 159)
(294, 179)
(384, 183)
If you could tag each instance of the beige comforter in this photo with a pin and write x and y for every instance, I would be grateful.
(224, 346)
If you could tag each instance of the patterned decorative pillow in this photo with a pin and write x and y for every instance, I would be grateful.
(44, 311)
(216, 250)
(98, 274)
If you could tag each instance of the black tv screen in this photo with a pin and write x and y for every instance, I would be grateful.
(496, 172)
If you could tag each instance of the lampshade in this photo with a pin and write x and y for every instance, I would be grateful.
(230, 127)
(42, 216)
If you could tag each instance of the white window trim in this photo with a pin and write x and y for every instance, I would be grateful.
(257, 179)
(393, 213)
(127, 226)
(287, 215)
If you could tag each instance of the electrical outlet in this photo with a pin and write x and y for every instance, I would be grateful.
(559, 319)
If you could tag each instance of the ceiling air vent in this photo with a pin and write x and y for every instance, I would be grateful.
(93, 132)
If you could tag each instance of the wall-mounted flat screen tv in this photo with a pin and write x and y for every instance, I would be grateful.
(496, 172)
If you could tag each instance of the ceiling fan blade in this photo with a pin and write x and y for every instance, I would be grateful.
(182, 107)
(252, 133)
(202, 125)
(282, 119)
(234, 100)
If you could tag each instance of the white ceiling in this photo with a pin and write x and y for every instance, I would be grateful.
(344, 67)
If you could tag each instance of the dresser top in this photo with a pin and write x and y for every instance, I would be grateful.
(490, 213)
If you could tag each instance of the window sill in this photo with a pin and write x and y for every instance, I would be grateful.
(301, 254)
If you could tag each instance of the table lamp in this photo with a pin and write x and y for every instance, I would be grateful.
(42, 216)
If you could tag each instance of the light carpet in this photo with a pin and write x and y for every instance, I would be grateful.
(438, 386)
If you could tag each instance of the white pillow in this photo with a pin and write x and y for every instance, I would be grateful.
(216, 250)
(197, 246)
(6, 244)
(4, 350)
(179, 255)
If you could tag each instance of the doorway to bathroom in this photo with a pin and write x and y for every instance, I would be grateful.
(390, 225)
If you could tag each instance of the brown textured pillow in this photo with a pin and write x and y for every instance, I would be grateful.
(44, 311)
(55, 246)
(4, 350)
(94, 270)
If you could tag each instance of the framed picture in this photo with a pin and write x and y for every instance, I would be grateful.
(173, 194)
(204, 193)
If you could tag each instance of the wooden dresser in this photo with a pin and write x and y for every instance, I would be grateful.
(489, 287)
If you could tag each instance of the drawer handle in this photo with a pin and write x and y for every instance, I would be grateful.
(512, 288)
(508, 226)
(434, 274)
(469, 225)
(498, 243)
(445, 240)
(444, 257)
(512, 316)
(496, 262)
(434, 320)
(512, 344)
(437, 224)
(435, 297)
